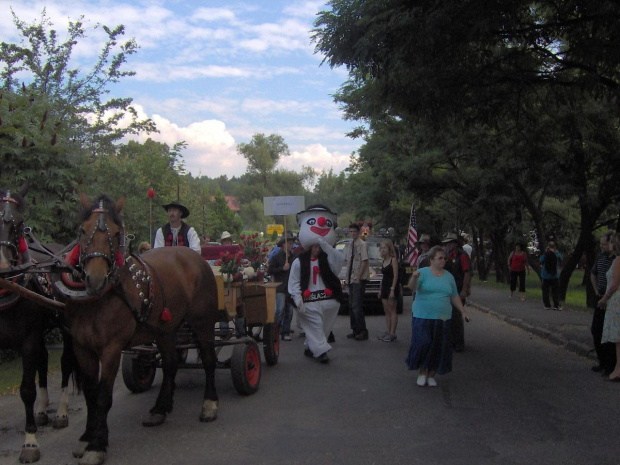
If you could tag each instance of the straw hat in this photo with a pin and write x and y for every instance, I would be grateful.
(225, 235)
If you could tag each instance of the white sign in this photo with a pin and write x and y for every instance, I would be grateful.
(283, 205)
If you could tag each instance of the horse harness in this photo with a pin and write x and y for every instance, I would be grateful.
(142, 275)
(102, 226)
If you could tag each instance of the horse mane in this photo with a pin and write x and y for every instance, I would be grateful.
(108, 204)
(21, 204)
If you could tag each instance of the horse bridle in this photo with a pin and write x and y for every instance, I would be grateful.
(102, 226)
(7, 217)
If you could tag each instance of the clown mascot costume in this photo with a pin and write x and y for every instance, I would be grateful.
(313, 281)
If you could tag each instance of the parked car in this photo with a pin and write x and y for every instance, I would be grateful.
(371, 304)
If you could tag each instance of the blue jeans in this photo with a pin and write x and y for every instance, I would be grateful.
(356, 309)
(284, 313)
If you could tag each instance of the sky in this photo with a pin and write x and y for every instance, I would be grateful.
(214, 73)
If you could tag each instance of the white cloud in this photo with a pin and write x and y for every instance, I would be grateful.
(317, 156)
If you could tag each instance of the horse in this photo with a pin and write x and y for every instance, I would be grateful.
(23, 325)
(135, 300)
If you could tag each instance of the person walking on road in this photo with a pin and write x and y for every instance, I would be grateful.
(279, 268)
(459, 265)
(550, 275)
(357, 262)
(390, 289)
(611, 301)
(606, 353)
(517, 262)
(430, 351)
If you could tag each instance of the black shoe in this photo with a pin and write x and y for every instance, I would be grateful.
(323, 358)
(362, 336)
(331, 339)
(598, 368)
(350, 336)
(308, 353)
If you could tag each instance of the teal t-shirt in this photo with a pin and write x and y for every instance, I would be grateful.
(432, 299)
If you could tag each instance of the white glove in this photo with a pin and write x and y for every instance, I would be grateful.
(301, 308)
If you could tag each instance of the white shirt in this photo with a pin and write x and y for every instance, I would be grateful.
(192, 237)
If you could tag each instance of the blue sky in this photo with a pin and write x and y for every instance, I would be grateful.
(213, 73)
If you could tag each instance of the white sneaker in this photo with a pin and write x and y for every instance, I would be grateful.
(421, 380)
(431, 382)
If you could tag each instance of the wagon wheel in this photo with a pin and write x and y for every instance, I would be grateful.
(271, 343)
(246, 367)
(138, 371)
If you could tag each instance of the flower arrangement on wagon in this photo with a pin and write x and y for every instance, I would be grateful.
(229, 264)
(254, 250)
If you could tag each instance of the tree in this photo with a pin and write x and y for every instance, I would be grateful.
(52, 115)
(526, 90)
(263, 154)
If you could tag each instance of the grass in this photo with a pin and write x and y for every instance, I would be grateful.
(11, 372)
(575, 294)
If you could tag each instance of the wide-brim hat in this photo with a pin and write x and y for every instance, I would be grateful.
(450, 237)
(225, 235)
(175, 204)
(289, 237)
(424, 239)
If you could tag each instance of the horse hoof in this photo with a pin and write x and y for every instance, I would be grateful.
(61, 422)
(41, 419)
(154, 419)
(209, 411)
(80, 449)
(92, 457)
(30, 453)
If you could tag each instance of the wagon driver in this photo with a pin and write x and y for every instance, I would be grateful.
(177, 232)
(313, 282)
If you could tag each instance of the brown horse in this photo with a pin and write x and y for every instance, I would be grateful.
(135, 301)
(23, 325)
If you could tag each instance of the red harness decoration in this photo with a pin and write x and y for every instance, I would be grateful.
(74, 256)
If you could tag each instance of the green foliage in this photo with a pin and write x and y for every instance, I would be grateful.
(263, 154)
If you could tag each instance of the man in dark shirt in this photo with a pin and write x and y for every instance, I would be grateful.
(457, 263)
(606, 353)
(279, 269)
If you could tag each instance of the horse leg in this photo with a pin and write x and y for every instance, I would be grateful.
(205, 335)
(89, 368)
(28, 393)
(42, 401)
(67, 367)
(95, 453)
(169, 364)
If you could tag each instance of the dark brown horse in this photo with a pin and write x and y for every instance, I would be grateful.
(135, 301)
(23, 325)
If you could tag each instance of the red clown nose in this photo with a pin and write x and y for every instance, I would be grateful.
(322, 222)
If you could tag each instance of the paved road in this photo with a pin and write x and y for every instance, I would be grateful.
(513, 398)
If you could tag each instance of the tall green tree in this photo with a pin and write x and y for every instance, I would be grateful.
(53, 114)
(263, 153)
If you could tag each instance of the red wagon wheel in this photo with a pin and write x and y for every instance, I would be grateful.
(246, 367)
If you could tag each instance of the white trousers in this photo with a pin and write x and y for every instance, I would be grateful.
(317, 322)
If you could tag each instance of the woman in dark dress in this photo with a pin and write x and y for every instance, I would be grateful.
(389, 289)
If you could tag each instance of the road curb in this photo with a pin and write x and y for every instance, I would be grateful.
(576, 347)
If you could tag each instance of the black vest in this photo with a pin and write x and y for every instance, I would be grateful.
(456, 269)
(181, 237)
(329, 278)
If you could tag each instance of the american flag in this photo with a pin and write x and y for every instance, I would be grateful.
(412, 238)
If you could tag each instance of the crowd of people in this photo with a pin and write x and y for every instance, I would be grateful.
(309, 287)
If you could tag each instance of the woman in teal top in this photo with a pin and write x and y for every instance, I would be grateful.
(431, 345)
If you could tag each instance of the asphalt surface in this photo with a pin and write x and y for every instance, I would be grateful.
(512, 398)
(567, 328)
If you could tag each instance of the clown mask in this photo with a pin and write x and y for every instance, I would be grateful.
(316, 222)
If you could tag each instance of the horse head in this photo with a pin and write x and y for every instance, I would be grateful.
(101, 241)
(12, 242)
